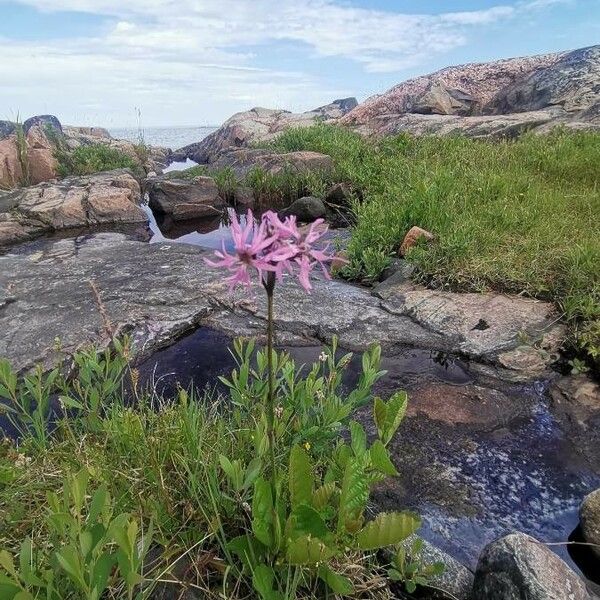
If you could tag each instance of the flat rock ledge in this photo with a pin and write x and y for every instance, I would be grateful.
(160, 291)
(110, 197)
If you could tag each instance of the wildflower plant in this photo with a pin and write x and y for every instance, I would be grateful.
(310, 511)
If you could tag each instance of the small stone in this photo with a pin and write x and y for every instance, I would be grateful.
(589, 515)
(339, 195)
(412, 238)
(518, 567)
(306, 209)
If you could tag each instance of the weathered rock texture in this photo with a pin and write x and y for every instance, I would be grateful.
(518, 567)
(258, 125)
(110, 197)
(500, 98)
(160, 290)
(185, 199)
(30, 163)
(243, 160)
(589, 515)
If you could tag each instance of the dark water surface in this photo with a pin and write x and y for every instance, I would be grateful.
(477, 459)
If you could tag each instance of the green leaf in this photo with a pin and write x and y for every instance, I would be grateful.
(69, 561)
(301, 481)
(395, 411)
(354, 494)
(338, 583)
(71, 402)
(358, 437)
(99, 501)
(262, 580)
(322, 495)
(232, 470)
(252, 472)
(6, 561)
(262, 512)
(379, 414)
(380, 458)
(387, 529)
(249, 550)
(308, 521)
(307, 550)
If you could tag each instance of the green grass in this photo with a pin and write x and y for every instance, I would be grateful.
(94, 158)
(521, 216)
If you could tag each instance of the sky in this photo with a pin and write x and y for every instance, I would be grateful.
(196, 62)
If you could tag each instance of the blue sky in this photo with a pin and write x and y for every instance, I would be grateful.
(195, 62)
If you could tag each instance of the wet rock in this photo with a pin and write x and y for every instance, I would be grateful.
(258, 125)
(456, 578)
(518, 567)
(413, 237)
(589, 516)
(578, 398)
(306, 209)
(245, 160)
(169, 288)
(110, 197)
(575, 402)
(185, 199)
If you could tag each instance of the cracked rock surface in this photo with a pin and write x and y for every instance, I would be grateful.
(159, 291)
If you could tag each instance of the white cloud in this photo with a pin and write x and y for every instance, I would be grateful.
(177, 54)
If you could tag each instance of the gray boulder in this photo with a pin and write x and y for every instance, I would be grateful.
(306, 209)
(185, 199)
(6, 128)
(518, 567)
(42, 120)
(589, 515)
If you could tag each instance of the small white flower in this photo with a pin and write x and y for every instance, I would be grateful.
(323, 357)
(22, 461)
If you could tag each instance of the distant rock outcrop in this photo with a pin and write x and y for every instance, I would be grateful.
(258, 125)
(499, 98)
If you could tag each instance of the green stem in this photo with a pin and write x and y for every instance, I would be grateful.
(269, 286)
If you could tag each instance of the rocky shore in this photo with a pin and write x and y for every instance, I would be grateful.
(509, 415)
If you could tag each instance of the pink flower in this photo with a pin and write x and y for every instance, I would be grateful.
(250, 244)
(273, 246)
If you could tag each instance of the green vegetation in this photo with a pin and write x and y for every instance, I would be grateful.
(93, 158)
(520, 216)
(22, 153)
(108, 498)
